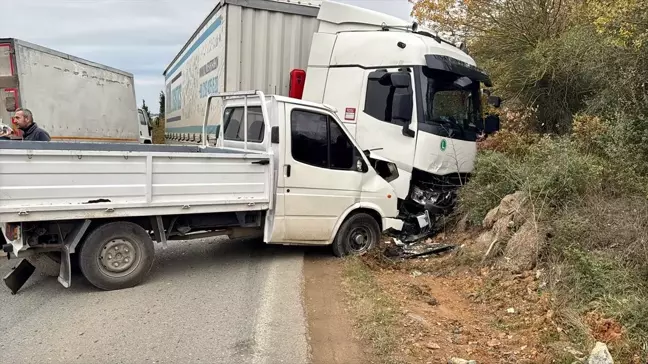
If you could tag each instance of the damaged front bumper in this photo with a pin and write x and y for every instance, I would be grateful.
(402, 228)
(390, 224)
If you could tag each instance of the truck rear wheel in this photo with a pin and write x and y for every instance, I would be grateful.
(357, 235)
(117, 255)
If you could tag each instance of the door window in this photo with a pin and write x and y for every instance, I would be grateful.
(309, 138)
(317, 140)
(379, 98)
(341, 150)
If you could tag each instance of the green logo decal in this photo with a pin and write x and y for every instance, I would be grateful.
(443, 145)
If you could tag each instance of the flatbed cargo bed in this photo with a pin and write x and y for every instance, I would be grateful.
(62, 181)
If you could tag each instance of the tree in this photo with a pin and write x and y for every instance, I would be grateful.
(539, 52)
(146, 109)
(162, 103)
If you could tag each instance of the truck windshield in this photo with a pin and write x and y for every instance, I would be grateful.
(451, 103)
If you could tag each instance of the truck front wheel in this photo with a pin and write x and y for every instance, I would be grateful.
(117, 255)
(357, 235)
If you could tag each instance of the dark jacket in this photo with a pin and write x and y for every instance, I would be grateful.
(34, 133)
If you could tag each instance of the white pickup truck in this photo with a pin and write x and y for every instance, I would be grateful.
(289, 173)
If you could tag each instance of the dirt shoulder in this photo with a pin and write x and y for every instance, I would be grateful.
(368, 310)
(330, 324)
(432, 310)
(466, 315)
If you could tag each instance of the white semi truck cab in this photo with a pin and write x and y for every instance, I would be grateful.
(407, 96)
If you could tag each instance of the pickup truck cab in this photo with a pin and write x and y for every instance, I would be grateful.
(282, 169)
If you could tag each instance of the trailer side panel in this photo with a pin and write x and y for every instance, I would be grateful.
(241, 46)
(264, 46)
(74, 99)
(8, 79)
(196, 73)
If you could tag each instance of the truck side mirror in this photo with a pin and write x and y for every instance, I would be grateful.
(400, 80)
(10, 103)
(403, 101)
(491, 124)
(402, 108)
(494, 101)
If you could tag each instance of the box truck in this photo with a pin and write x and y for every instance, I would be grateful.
(73, 99)
(405, 94)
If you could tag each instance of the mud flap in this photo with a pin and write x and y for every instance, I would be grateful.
(19, 275)
(65, 274)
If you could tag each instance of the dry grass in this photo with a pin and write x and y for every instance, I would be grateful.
(376, 314)
(158, 131)
(600, 261)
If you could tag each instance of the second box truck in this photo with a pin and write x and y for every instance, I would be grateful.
(73, 99)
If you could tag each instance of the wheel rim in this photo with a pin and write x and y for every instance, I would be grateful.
(360, 239)
(119, 257)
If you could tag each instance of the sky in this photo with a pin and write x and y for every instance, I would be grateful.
(137, 36)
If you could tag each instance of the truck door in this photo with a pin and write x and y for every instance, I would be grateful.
(377, 128)
(320, 170)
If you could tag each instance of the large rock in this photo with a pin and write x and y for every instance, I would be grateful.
(502, 222)
(460, 361)
(491, 242)
(600, 355)
(511, 205)
(491, 218)
(523, 247)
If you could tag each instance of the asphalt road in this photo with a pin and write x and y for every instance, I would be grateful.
(212, 301)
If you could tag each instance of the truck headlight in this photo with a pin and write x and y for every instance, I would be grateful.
(423, 197)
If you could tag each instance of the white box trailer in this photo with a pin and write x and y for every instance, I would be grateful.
(241, 45)
(73, 99)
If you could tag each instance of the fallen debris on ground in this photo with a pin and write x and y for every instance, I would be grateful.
(422, 249)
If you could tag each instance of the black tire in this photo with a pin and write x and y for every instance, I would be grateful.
(116, 255)
(357, 235)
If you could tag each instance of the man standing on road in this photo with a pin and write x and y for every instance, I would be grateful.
(31, 132)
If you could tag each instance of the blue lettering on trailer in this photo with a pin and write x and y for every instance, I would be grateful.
(176, 99)
(215, 25)
(209, 87)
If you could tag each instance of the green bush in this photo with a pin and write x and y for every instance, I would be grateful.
(495, 177)
(595, 208)
(552, 172)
